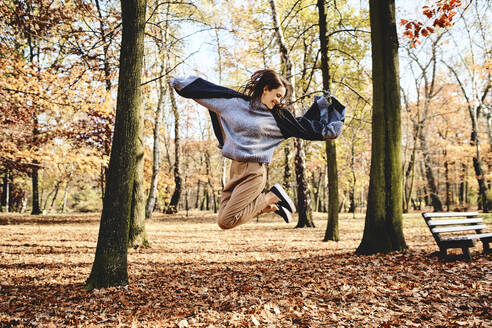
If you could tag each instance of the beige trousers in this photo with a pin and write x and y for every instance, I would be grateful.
(242, 197)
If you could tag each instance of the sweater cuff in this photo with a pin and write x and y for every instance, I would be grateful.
(179, 83)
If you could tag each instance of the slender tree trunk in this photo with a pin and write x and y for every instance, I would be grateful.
(325, 190)
(448, 185)
(303, 199)
(52, 192)
(429, 174)
(6, 192)
(410, 172)
(36, 208)
(173, 204)
(477, 161)
(461, 193)
(57, 189)
(331, 232)
(197, 200)
(383, 224)
(156, 153)
(65, 195)
(110, 262)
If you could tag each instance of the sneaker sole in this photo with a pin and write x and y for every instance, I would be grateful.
(286, 197)
(284, 211)
(288, 215)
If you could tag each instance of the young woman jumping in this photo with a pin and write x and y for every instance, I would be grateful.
(249, 126)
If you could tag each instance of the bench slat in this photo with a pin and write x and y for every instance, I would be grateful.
(449, 222)
(463, 228)
(477, 236)
(449, 214)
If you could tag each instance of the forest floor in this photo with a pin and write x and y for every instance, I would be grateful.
(262, 274)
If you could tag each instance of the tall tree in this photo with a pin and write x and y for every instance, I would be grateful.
(110, 262)
(303, 197)
(173, 204)
(331, 232)
(136, 227)
(383, 224)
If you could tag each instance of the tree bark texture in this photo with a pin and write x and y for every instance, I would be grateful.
(331, 232)
(383, 224)
(110, 262)
(136, 234)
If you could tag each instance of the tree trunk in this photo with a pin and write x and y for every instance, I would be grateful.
(410, 172)
(110, 262)
(383, 231)
(173, 204)
(477, 161)
(197, 200)
(65, 195)
(331, 232)
(431, 182)
(156, 153)
(303, 199)
(36, 208)
(136, 234)
(52, 192)
(304, 206)
(56, 193)
(461, 193)
(5, 192)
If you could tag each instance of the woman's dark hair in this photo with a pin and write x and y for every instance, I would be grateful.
(265, 78)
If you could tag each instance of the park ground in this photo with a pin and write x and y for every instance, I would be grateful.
(262, 274)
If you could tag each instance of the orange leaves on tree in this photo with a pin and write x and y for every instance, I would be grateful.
(440, 14)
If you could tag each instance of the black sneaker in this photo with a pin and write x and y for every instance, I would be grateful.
(285, 200)
(284, 214)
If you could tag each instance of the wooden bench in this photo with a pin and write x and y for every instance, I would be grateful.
(459, 232)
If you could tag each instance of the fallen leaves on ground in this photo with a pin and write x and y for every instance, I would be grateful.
(262, 274)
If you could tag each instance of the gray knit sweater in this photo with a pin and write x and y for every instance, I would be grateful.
(251, 133)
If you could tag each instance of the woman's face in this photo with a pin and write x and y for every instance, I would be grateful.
(273, 97)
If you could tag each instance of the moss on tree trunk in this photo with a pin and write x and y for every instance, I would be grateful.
(110, 263)
(383, 225)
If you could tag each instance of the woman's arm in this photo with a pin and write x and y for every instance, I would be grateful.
(322, 121)
(214, 97)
